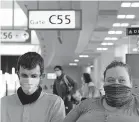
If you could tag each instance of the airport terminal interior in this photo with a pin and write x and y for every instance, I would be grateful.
(80, 36)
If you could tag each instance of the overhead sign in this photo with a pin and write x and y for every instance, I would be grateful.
(15, 36)
(132, 31)
(54, 19)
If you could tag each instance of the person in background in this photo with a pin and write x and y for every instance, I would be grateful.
(117, 105)
(65, 87)
(31, 104)
(88, 87)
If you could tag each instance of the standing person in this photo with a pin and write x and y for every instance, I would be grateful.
(88, 87)
(117, 105)
(64, 87)
(31, 104)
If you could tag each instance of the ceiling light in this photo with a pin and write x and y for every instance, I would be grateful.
(83, 56)
(130, 16)
(92, 66)
(116, 25)
(99, 48)
(73, 64)
(110, 43)
(111, 32)
(124, 24)
(121, 16)
(126, 4)
(136, 4)
(118, 32)
(107, 38)
(104, 48)
(134, 25)
(114, 38)
(103, 43)
(135, 49)
(76, 60)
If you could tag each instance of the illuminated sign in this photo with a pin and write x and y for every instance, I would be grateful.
(54, 19)
(14, 36)
(132, 31)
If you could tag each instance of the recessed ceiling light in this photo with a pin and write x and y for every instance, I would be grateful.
(76, 60)
(134, 25)
(92, 66)
(114, 38)
(124, 24)
(121, 16)
(110, 43)
(107, 38)
(130, 16)
(104, 48)
(118, 32)
(116, 25)
(103, 43)
(73, 64)
(125, 4)
(83, 56)
(135, 4)
(111, 32)
(135, 49)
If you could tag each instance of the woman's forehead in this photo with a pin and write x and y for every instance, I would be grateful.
(117, 71)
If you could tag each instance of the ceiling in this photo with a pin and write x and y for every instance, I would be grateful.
(97, 19)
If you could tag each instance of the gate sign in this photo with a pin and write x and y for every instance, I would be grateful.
(54, 19)
(132, 31)
(15, 36)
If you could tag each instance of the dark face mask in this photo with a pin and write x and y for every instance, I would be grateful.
(117, 95)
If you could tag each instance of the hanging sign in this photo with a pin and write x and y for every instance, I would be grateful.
(54, 19)
(132, 31)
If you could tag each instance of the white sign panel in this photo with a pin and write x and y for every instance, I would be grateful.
(56, 19)
(14, 36)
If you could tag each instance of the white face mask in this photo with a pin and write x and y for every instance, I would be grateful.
(29, 79)
(29, 85)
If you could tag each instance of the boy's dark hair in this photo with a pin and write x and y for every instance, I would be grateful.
(87, 77)
(30, 60)
(116, 63)
(58, 67)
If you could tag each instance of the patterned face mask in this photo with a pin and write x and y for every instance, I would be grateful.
(117, 95)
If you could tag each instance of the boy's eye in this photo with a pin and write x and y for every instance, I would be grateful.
(24, 75)
(34, 76)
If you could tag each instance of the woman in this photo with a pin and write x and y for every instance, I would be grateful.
(88, 88)
(117, 105)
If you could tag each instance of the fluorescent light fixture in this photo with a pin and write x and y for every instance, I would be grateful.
(114, 38)
(110, 38)
(76, 60)
(118, 32)
(107, 38)
(126, 4)
(111, 32)
(130, 16)
(121, 16)
(134, 25)
(135, 4)
(83, 56)
(73, 64)
(103, 43)
(135, 49)
(92, 66)
(124, 24)
(18, 49)
(99, 49)
(110, 43)
(116, 25)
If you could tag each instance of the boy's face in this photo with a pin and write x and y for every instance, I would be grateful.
(29, 79)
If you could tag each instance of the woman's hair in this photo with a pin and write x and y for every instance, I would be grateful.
(116, 63)
(87, 77)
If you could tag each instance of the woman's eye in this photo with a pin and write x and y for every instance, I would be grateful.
(121, 80)
(110, 80)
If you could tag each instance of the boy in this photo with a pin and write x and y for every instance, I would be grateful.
(31, 104)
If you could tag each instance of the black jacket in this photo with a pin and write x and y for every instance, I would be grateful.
(61, 89)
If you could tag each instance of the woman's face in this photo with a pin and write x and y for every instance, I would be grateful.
(117, 75)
